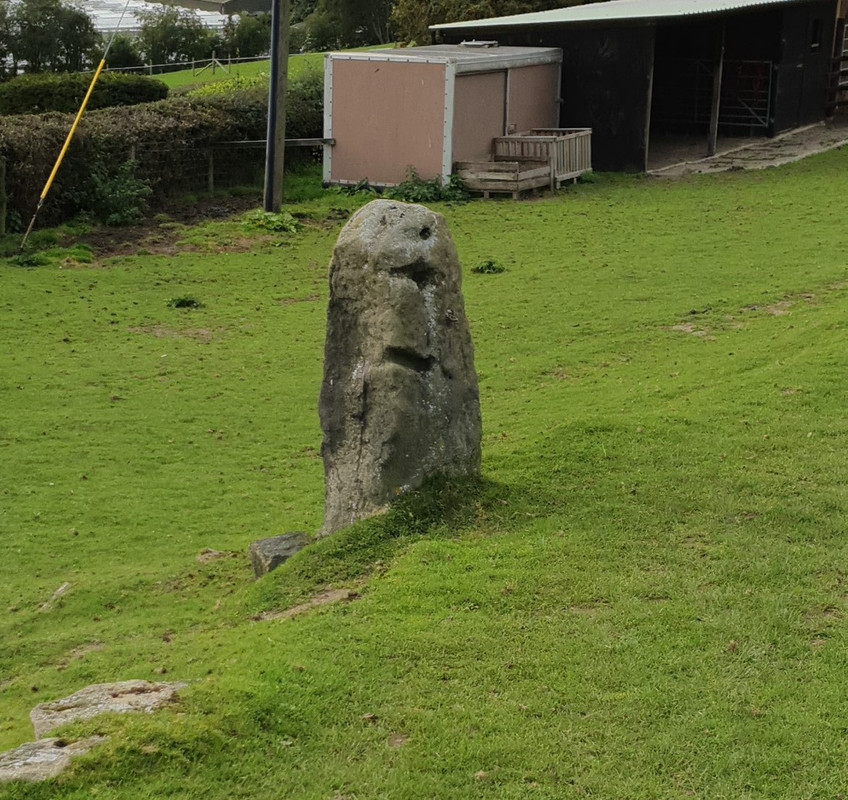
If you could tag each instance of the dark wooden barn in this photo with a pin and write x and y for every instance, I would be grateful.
(639, 71)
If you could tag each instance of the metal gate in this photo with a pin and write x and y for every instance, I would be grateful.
(686, 88)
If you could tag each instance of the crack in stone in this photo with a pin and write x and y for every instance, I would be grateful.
(409, 359)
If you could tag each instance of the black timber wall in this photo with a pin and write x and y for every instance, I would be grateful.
(803, 67)
(606, 86)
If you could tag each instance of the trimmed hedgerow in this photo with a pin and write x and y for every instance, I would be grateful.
(168, 143)
(38, 94)
(304, 101)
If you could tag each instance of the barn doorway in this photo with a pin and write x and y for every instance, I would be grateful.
(713, 86)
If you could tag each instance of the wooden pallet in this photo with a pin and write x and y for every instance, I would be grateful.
(567, 150)
(503, 177)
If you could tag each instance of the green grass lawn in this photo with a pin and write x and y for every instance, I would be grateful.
(250, 69)
(645, 597)
(298, 64)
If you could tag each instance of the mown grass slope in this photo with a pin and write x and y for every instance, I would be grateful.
(249, 70)
(644, 597)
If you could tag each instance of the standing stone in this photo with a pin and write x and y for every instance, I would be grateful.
(399, 402)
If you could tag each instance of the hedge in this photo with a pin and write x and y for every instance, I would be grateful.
(169, 141)
(51, 91)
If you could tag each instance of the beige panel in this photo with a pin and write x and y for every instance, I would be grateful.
(479, 101)
(387, 117)
(533, 97)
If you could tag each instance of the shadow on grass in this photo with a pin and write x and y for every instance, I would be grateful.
(443, 508)
(547, 480)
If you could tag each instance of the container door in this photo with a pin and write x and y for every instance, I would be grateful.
(479, 114)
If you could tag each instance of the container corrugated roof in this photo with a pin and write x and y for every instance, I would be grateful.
(615, 11)
(466, 57)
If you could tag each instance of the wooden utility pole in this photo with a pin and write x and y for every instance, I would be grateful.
(275, 146)
(715, 111)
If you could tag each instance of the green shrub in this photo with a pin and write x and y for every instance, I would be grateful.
(249, 95)
(488, 267)
(416, 190)
(305, 106)
(118, 197)
(37, 94)
(278, 223)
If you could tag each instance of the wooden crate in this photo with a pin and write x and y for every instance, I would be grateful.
(511, 177)
(567, 151)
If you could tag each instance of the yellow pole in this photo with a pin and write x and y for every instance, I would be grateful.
(64, 149)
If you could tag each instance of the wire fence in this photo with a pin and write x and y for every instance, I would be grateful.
(169, 169)
(172, 169)
(198, 66)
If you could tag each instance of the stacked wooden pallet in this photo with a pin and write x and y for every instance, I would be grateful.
(530, 160)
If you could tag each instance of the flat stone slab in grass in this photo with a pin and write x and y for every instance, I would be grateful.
(267, 554)
(46, 758)
(102, 698)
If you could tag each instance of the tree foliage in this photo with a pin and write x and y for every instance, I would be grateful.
(6, 41)
(169, 35)
(301, 9)
(247, 35)
(348, 23)
(49, 36)
(411, 18)
(124, 53)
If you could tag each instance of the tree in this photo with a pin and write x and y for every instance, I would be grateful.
(248, 35)
(7, 66)
(51, 36)
(411, 18)
(301, 9)
(170, 35)
(354, 22)
(124, 53)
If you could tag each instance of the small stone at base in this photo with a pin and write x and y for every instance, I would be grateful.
(267, 554)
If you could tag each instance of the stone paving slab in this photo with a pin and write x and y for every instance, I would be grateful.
(102, 698)
(766, 152)
(46, 758)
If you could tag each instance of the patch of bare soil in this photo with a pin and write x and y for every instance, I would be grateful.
(782, 307)
(321, 599)
(152, 236)
(163, 332)
(687, 327)
(78, 653)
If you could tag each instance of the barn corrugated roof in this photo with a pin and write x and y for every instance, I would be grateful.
(614, 11)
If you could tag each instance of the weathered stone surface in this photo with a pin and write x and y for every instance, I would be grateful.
(102, 698)
(399, 402)
(267, 554)
(46, 758)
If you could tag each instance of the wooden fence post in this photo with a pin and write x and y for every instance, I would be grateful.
(210, 175)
